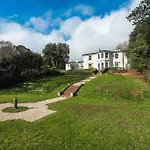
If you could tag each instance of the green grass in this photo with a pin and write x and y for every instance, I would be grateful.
(110, 113)
(38, 90)
(14, 110)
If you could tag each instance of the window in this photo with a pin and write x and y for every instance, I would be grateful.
(90, 57)
(106, 55)
(98, 66)
(98, 56)
(102, 65)
(102, 55)
(116, 64)
(116, 55)
(90, 65)
(106, 65)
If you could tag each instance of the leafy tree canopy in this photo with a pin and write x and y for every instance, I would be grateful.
(56, 55)
(138, 50)
(140, 13)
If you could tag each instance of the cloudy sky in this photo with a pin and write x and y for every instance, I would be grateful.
(86, 25)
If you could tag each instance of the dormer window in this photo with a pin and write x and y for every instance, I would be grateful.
(98, 56)
(102, 55)
(90, 57)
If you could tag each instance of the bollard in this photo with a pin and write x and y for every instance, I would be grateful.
(15, 103)
(59, 93)
(72, 94)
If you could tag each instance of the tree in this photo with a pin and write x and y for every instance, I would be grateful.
(63, 55)
(138, 50)
(18, 64)
(7, 72)
(7, 49)
(140, 13)
(56, 55)
(122, 46)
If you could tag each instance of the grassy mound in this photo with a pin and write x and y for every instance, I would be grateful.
(110, 112)
(38, 90)
(14, 110)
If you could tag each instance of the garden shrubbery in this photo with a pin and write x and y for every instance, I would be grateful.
(147, 76)
(51, 72)
(104, 70)
(82, 72)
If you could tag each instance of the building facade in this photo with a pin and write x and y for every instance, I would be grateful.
(74, 65)
(120, 60)
(105, 59)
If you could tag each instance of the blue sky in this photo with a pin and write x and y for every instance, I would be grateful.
(86, 25)
(27, 8)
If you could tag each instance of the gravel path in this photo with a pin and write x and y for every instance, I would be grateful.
(36, 110)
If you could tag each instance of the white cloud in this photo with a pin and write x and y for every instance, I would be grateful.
(97, 32)
(67, 27)
(40, 23)
(13, 16)
(56, 22)
(85, 36)
(68, 12)
(18, 34)
(84, 10)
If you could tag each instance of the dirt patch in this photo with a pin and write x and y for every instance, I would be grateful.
(136, 93)
(132, 73)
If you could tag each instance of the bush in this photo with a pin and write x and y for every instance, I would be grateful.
(80, 72)
(7, 81)
(104, 70)
(30, 74)
(93, 70)
(51, 72)
(117, 70)
(147, 76)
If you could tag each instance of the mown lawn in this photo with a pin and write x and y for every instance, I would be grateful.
(38, 90)
(109, 113)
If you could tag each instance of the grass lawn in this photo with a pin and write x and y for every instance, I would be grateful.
(38, 90)
(14, 110)
(110, 113)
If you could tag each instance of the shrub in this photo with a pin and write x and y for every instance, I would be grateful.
(147, 76)
(80, 72)
(30, 74)
(104, 70)
(93, 70)
(117, 70)
(50, 72)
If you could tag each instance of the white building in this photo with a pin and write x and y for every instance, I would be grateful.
(105, 59)
(120, 60)
(74, 65)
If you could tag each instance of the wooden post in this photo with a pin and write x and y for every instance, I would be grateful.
(15, 103)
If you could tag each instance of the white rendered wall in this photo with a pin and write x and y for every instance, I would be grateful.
(122, 60)
(96, 62)
(68, 67)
